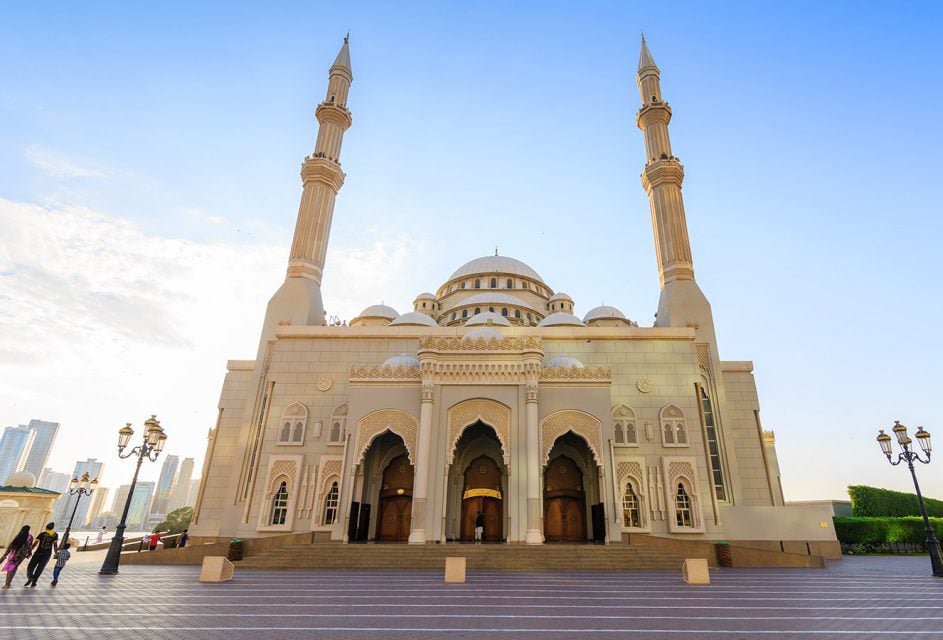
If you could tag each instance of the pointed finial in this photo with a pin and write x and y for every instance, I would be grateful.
(496, 250)
(645, 58)
(347, 37)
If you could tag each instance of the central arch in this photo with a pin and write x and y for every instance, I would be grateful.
(572, 492)
(477, 484)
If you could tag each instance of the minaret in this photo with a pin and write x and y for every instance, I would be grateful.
(681, 302)
(298, 301)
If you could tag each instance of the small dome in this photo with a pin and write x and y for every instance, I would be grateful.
(603, 312)
(379, 311)
(425, 296)
(486, 318)
(402, 360)
(565, 361)
(560, 296)
(21, 479)
(414, 319)
(483, 333)
(495, 264)
(561, 319)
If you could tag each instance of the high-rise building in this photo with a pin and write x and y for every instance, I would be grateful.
(14, 448)
(194, 490)
(180, 493)
(164, 484)
(96, 507)
(62, 515)
(44, 436)
(53, 480)
(121, 497)
(140, 505)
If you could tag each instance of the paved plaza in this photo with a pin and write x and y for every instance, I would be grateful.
(854, 598)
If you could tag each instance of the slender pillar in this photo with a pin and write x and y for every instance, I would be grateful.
(534, 534)
(417, 532)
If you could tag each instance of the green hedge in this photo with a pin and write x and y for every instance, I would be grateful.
(876, 531)
(871, 502)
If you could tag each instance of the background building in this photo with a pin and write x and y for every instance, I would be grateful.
(97, 505)
(168, 473)
(63, 512)
(44, 436)
(14, 448)
(53, 480)
(180, 493)
(140, 509)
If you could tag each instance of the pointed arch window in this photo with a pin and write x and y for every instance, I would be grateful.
(330, 505)
(279, 510)
(293, 424)
(335, 434)
(674, 430)
(494, 283)
(631, 509)
(683, 513)
(623, 421)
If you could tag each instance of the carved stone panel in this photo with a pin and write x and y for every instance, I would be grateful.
(580, 423)
(373, 424)
(494, 414)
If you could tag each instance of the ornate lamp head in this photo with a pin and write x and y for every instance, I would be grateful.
(923, 439)
(884, 441)
(124, 436)
(901, 432)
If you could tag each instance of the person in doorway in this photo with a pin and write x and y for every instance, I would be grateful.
(19, 549)
(479, 528)
(62, 556)
(45, 545)
(183, 539)
(101, 535)
(152, 541)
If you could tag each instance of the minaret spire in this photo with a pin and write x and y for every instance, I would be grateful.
(681, 302)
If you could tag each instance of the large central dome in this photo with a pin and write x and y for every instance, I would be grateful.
(496, 264)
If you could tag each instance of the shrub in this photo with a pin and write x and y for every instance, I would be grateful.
(878, 531)
(177, 520)
(872, 502)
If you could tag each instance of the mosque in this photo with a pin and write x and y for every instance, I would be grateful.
(492, 400)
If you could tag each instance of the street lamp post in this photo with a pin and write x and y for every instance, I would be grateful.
(909, 455)
(78, 488)
(149, 448)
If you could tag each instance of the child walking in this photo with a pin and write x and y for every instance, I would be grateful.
(62, 556)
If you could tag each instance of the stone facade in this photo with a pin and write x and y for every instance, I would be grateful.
(491, 400)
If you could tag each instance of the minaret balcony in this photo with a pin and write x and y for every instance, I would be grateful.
(660, 171)
(653, 112)
(333, 112)
(322, 169)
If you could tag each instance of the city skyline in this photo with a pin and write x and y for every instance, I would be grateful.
(795, 214)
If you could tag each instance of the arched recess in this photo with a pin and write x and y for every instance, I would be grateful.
(624, 426)
(580, 423)
(293, 424)
(403, 424)
(684, 472)
(280, 470)
(469, 412)
(633, 471)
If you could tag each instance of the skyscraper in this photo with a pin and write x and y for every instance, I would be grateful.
(180, 494)
(97, 505)
(53, 480)
(61, 516)
(164, 484)
(121, 497)
(44, 436)
(14, 447)
(140, 505)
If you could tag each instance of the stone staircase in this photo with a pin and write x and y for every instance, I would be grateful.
(489, 557)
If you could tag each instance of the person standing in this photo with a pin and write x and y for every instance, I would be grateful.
(62, 556)
(20, 548)
(183, 539)
(152, 542)
(101, 535)
(479, 528)
(45, 545)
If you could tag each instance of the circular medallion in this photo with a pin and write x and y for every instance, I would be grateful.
(482, 469)
(402, 468)
(562, 469)
(325, 383)
(644, 385)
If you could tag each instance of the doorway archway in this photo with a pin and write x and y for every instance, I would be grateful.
(477, 483)
(482, 494)
(571, 488)
(396, 501)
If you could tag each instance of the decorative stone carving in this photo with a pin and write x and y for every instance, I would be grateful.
(359, 373)
(287, 468)
(451, 343)
(581, 374)
(704, 358)
(644, 385)
(494, 414)
(627, 470)
(324, 383)
(580, 423)
(373, 424)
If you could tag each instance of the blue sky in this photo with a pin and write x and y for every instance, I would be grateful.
(149, 158)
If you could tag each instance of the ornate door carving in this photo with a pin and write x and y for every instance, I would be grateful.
(564, 502)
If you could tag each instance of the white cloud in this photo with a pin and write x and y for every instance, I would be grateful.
(56, 164)
(206, 218)
(102, 323)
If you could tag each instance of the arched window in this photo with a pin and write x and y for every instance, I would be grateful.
(298, 433)
(681, 436)
(335, 434)
(517, 313)
(293, 422)
(683, 512)
(669, 434)
(620, 436)
(477, 310)
(423, 305)
(528, 317)
(504, 311)
(285, 434)
(464, 313)
(453, 315)
(631, 513)
(494, 283)
(462, 286)
(713, 446)
(279, 509)
(510, 284)
(525, 284)
(631, 433)
(477, 283)
(338, 420)
(330, 505)
(674, 431)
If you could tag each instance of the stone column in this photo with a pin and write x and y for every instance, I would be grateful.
(534, 534)
(417, 532)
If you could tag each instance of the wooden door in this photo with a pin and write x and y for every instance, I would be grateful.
(395, 512)
(482, 494)
(564, 502)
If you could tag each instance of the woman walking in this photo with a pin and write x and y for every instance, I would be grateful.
(17, 551)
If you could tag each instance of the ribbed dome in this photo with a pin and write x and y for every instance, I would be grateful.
(21, 479)
(379, 311)
(565, 361)
(603, 312)
(402, 360)
(414, 318)
(561, 319)
(560, 296)
(495, 264)
(485, 333)
(486, 318)
(425, 296)
(492, 298)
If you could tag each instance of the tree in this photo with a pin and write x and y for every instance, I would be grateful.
(176, 521)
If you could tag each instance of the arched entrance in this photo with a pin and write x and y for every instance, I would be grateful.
(571, 486)
(564, 501)
(396, 501)
(477, 483)
(482, 495)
